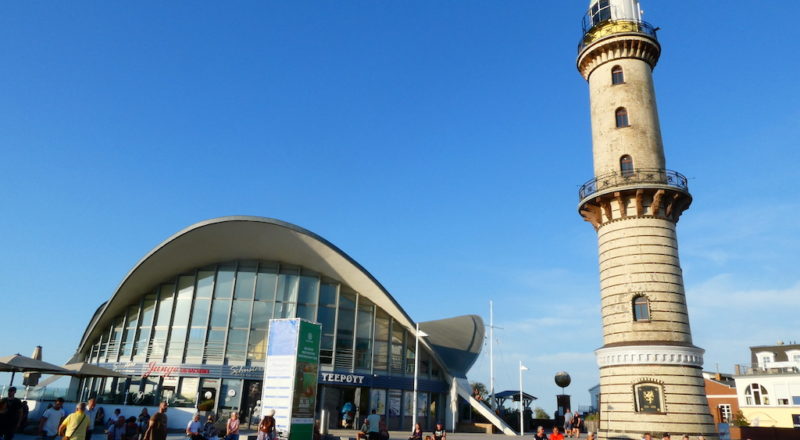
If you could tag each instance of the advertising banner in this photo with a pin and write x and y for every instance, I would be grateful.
(290, 376)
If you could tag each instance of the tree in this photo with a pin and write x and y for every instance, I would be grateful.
(479, 391)
(739, 419)
(539, 413)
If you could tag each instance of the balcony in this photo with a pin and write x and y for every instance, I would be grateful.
(635, 177)
(770, 369)
(595, 31)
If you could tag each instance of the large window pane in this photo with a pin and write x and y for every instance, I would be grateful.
(183, 304)
(307, 311)
(177, 341)
(327, 294)
(285, 310)
(237, 345)
(257, 346)
(262, 313)
(165, 305)
(326, 316)
(397, 348)
(200, 312)
(287, 287)
(245, 281)
(148, 309)
(205, 283)
(224, 285)
(381, 340)
(215, 346)
(187, 394)
(266, 282)
(345, 330)
(197, 341)
(364, 334)
(309, 285)
(158, 345)
(240, 315)
(219, 312)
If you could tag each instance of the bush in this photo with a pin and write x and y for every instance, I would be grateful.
(739, 419)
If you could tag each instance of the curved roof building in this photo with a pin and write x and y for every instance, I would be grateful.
(189, 324)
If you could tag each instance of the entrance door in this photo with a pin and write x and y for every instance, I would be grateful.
(335, 400)
(251, 401)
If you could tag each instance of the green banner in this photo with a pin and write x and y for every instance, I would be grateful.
(305, 381)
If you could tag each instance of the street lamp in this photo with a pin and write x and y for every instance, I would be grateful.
(521, 419)
(416, 374)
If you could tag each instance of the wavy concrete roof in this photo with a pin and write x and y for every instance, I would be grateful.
(241, 238)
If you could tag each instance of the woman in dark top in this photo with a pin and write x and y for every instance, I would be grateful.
(540, 435)
(439, 433)
(416, 434)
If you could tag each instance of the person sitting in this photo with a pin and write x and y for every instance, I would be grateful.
(209, 430)
(193, 428)
(363, 431)
(383, 431)
(556, 435)
(440, 433)
(232, 427)
(131, 429)
(416, 434)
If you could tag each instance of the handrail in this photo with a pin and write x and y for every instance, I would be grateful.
(633, 177)
(593, 32)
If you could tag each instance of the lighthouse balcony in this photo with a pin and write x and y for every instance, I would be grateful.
(633, 178)
(597, 30)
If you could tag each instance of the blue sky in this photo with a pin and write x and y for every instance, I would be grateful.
(439, 143)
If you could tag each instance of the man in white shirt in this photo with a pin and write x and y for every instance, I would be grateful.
(193, 428)
(52, 417)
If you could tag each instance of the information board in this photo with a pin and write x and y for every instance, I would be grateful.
(291, 371)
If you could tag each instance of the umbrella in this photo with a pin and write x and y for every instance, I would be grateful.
(84, 369)
(19, 363)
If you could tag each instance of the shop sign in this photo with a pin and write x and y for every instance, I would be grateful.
(354, 379)
(154, 369)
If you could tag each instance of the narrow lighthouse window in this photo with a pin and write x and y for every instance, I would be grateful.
(626, 166)
(641, 309)
(622, 117)
(617, 76)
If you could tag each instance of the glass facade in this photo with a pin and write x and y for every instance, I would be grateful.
(219, 315)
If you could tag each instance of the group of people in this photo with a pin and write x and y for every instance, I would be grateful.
(208, 431)
(573, 424)
(556, 434)
(80, 424)
(374, 428)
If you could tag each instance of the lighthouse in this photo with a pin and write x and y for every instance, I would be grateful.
(650, 371)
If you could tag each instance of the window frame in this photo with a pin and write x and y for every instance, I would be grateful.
(636, 305)
(622, 118)
(617, 75)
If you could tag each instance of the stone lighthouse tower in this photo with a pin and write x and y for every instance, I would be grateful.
(650, 372)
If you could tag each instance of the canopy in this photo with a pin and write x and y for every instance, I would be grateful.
(502, 396)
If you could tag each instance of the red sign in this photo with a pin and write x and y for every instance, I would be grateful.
(154, 369)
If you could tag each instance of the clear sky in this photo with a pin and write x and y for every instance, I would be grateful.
(439, 143)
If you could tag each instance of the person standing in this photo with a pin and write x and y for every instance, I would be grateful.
(157, 427)
(91, 412)
(193, 428)
(143, 420)
(374, 425)
(51, 419)
(11, 422)
(232, 427)
(266, 429)
(76, 425)
(568, 423)
(116, 430)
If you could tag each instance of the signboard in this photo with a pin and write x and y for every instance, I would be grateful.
(648, 398)
(290, 376)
